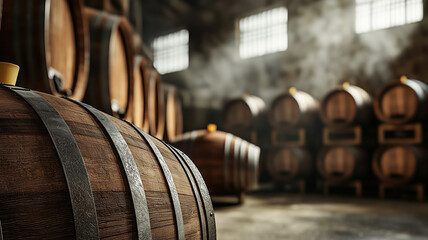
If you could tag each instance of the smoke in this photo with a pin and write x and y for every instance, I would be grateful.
(323, 51)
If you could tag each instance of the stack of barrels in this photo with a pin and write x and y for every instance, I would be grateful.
(68, 49)
(294, 119)
(401, 159)
(244, 117)
(343, 161)
(229, 164)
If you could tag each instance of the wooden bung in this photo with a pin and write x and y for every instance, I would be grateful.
(173, 113)
(400, 164)
(341, 164)
(73, 172)
(293, 109)
(111, 76)
(346, 106)
(290, 163)
(402, 101)
(49, 40)
(229, 164)
(243, 113)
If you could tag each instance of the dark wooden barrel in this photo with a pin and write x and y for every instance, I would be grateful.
(156, 104)
(49, 41)
(69, 171)
(400, 164)
(138, 112)
(290, 163)
(402, 102)
(228, 164)
(293, 109)
(243, 113)
(346, 106)
(173, 113)
(111, 71)
(342, 163)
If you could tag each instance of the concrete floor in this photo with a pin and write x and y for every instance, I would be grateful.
(268, 215)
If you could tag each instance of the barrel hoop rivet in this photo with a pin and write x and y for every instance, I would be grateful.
(209, 210)
(170, 182)
(131, 171)
(76, 175)
(195, 190)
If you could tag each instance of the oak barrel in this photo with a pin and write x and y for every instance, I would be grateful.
(293, 109)
(69, 171)
(290, 163)
(111, 74)
(49, 41)
(173, 113)
(400, 164)
(346, 106)
(156, 104)
(138, 112)
(243, 113)
(229, 164)
(340, 164)
(402, 102)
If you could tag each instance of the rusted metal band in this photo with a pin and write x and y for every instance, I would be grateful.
(236, 161)
(227, 143)
(170, 182)
(203, 189)
(243, 165)
(123, 152)
(76, 175)
(195, 190)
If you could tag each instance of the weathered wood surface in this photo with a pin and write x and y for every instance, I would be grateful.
(229, 164)
(49, 40)
(35, 200)
(111, 74)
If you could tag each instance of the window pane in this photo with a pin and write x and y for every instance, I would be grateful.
(263, 33)
(171, 52)
(380, 14)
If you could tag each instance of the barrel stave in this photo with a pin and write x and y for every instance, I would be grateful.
(47, 193)
(31, 178)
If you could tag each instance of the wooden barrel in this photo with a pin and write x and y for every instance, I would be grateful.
(49, 41)
(111, 71)
(346, 106)
(228, 164)
(173, 113)
(243, 113)
(138, 113)
(402, 102)
(342, 163)
(69, 171)
(290, 163)
(293, 109)
(400, 164)
(156, 104)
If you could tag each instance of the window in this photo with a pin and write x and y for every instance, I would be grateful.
(171, 52)
(263, 33)
(372, 15)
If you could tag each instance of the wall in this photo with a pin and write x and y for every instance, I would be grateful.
(323, 52)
